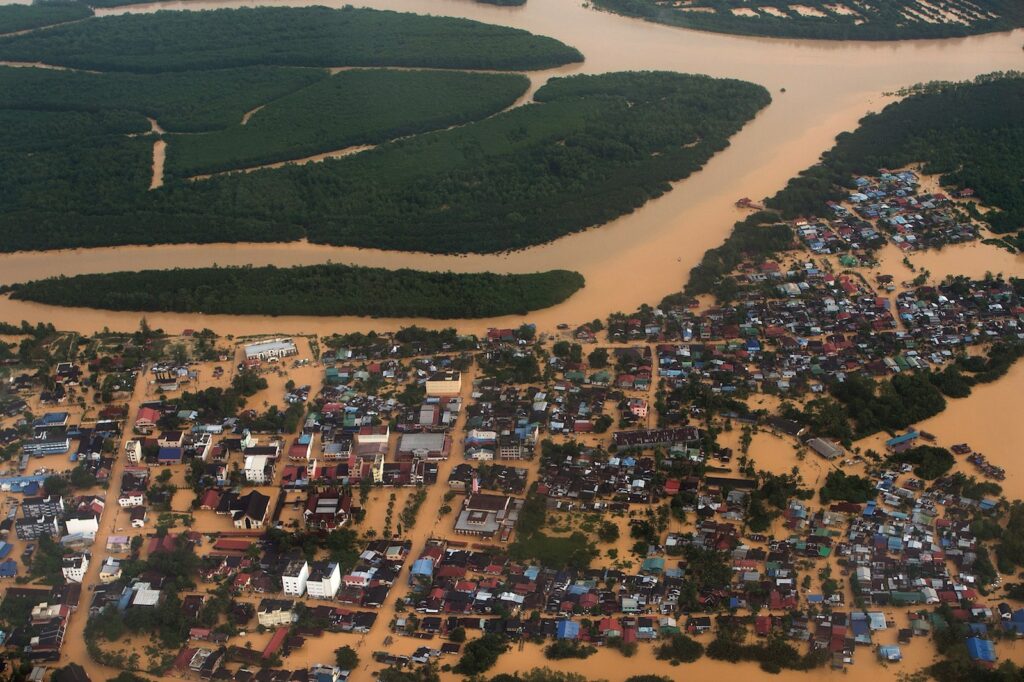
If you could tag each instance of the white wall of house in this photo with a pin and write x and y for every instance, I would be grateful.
(296, 584)
(275, 618)
(134, 499)
(84, 526)
(326, 587)
(75, 574)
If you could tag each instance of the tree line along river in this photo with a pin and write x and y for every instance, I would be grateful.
(828, 87)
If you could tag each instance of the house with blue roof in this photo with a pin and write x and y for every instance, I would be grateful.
(981, 650)
(653, 564)
(421, 568)
(890, 653)
(169, 456)
(567, 629)
(859, 628)
(979, 629)
(906, 438)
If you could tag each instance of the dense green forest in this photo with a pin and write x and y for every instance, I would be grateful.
(45, 182)
(351, 108)
(829, 20)
(970, 133)
(309, 290)
(15, 18)
(189, 101)
(591, 149)
(284, 36)
(29, 131)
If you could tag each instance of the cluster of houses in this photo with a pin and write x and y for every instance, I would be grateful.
(830, 327)
(503, 421)
(41, 635)
(887, 207)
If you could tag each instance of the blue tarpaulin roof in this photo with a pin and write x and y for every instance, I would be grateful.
(567, 629)
(890, 653)
(981, 650)
(906, 437)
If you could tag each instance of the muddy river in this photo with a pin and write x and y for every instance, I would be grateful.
(828, 87)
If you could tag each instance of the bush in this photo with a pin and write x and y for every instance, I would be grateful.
(480, 655)
(846, 488)
(680, 648)
(346, 658)
(568, 648)
(627, 649)
(929, 461)
(608, 532)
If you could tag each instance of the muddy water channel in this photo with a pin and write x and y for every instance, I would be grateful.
(639, 257)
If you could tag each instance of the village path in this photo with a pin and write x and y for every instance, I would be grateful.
(429, 524)
(74, 649)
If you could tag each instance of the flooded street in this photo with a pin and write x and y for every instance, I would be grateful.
(828, 88)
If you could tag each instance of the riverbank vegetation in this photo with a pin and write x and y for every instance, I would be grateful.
(301, 36)
(593, 148)
(827, 20)
(15, 18)
(350, 108)
(309, 290)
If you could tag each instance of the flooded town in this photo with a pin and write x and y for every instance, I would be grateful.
(758, 442)
(641, 487)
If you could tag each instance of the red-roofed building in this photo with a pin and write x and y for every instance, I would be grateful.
(275, 642)
(146, 420)
(232, 545)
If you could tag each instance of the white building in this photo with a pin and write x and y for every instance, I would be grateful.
(134, 498)
(375, 435)
(74, 567)
(84, 524)
(270, 349)
(259, 469)
(133, 451)
(294, 578)
(110, 570)
(276, 612)
(444, 383)
(324, 580)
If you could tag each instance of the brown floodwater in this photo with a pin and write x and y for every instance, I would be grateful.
(159, 157)
(829, 86)
(988, 420)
